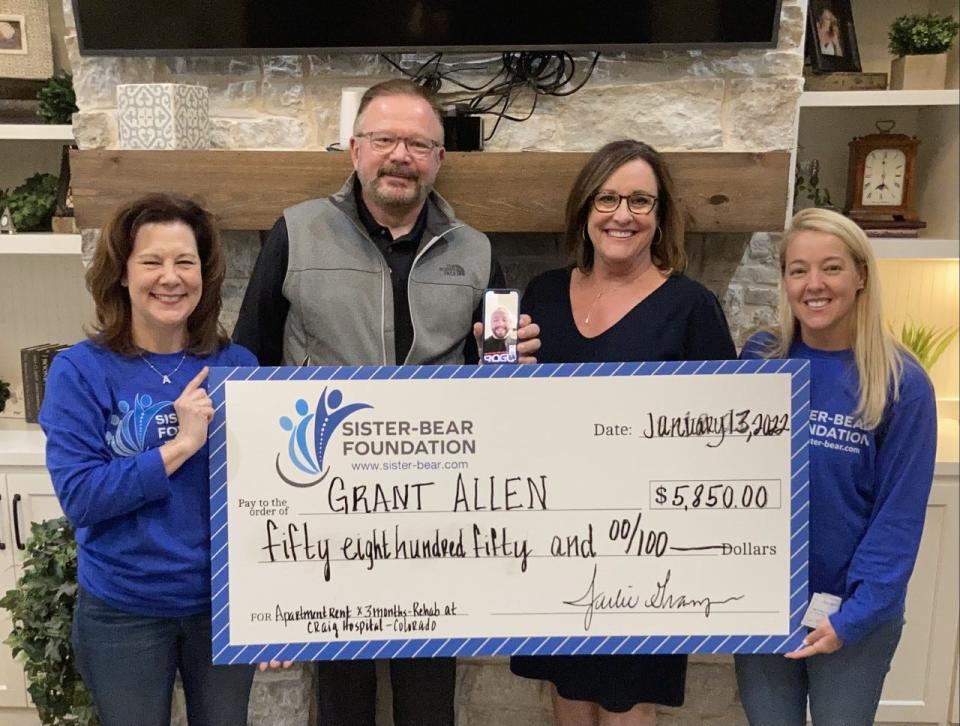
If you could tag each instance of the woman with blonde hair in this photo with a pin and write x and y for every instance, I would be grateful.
(872, 449)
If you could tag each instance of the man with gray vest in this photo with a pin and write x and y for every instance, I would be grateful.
(380, 273)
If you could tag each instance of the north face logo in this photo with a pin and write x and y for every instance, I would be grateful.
(453, 270)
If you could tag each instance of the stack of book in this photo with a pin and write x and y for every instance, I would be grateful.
(35, 364)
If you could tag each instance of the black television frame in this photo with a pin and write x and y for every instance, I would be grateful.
(356, 50)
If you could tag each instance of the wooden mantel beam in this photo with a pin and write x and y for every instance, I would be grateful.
(493, 191)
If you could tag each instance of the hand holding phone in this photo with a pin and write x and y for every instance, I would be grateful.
(501, 316)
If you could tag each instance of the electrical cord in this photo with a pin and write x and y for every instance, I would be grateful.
(547, 73)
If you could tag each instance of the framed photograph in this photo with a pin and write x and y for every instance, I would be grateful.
(26, 49)
(12, 38)
(831, 39)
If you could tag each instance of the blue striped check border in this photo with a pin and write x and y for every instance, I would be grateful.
(224, 653)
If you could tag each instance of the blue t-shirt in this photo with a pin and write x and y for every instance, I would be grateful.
(143, 538)
(868, 489)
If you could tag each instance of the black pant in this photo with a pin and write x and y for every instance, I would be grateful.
(422, 692)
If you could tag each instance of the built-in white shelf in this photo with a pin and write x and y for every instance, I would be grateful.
(915, 249)
(847, 99)
(39, 243)
(37, 132)
(21, 443)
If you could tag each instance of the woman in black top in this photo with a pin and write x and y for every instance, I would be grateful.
(624, 299)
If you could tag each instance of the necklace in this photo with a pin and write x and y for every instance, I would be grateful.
(586, 319)
(165, 377)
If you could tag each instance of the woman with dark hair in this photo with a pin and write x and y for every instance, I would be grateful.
(126, 416)
(624, 298)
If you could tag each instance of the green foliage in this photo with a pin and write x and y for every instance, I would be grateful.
(922, 34)
(32, 203)
(809, 186)
(4, 394)
(42, 610)
(58, 102)
(926, 343)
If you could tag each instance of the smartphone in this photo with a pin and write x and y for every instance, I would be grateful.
(501, 316)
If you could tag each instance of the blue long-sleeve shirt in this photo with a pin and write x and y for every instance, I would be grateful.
(868, 489)
(143, 538)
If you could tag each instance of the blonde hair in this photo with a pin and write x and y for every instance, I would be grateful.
(877, 354)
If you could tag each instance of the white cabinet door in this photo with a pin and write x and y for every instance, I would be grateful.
(13, 688)
(955, 696)
(917, 689)
(32, 499)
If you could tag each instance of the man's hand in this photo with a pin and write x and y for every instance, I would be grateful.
(823, 639)
(275, 665)
(528, 339)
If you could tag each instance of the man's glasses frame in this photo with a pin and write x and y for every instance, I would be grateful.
(383, 142)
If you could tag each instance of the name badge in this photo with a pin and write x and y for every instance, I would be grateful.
(822, 605)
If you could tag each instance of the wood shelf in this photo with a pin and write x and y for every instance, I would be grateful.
(37, 132)
(850, 99)
(39, 243)
(492, 191)
(915, 249)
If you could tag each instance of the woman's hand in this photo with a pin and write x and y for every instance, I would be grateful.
(528, 339)
(194, 413)
(275, 665)
(819, 641)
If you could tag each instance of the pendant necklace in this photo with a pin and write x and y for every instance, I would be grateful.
(586, 320)
(164, 377)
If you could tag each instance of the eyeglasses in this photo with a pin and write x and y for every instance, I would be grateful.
(384, 143)
(637, 202)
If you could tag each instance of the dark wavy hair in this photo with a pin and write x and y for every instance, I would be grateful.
(114, 327)
(667, 249)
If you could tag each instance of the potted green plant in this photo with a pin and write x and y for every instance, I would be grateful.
(32, 203)
(809, 186)
(58, 102)
(41, 608)
(920, 44)
(925, 342)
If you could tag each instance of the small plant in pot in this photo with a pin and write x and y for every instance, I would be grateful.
(58, 101)
(920, 44)
(807, 184)
(32, 203)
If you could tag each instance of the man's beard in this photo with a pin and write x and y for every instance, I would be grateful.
(397, 199)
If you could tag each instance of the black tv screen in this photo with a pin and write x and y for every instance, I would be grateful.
(209, 27)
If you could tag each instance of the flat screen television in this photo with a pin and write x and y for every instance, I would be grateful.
(211, 27)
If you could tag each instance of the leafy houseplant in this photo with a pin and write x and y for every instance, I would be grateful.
(58, 102)
(32, 203)
(809, 186)
(926, 343)
(920, 43)
(42, 610)
(922, 34)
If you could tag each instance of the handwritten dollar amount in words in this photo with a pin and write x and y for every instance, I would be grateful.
(686, 495)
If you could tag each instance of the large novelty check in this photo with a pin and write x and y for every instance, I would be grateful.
(555, 509)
